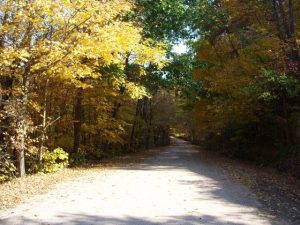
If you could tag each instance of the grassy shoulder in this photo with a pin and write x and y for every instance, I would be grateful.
(20, 190)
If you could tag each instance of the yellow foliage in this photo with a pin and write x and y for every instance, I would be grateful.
(70, 39)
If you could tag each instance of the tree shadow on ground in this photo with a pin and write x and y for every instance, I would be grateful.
(211, 184)
(85, 219)
(184, 156)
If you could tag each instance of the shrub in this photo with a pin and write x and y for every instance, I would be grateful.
(79, 158)
(31, 160)
(7, 168)
(55, 160)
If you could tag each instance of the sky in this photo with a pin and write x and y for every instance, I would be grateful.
(180, 48)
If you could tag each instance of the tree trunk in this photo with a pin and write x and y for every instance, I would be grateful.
(149, 130)
(286, 33)
(131, 142)
(283, 18)
(78, 115)
(295, 50)
(278, 25)
(44, 124)
(21, 153)
(23, 126)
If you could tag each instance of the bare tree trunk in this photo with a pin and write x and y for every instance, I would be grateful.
(286, 28)
(21, 151)
(44, 124)
(78, 116)
(283, 18)
(23, 126)
(131, 142)
(149, 132)
(295, 50)
(21, 159)
(278, 26)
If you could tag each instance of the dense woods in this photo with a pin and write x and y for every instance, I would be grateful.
(86, 79)
(76, 77)
(248, 106)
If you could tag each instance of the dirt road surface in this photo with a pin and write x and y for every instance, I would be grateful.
(173, 187)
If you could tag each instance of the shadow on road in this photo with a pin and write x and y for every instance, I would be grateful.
(184, 156)
(208, 181)
(84, 219)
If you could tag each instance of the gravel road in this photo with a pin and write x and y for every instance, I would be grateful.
(176, 186)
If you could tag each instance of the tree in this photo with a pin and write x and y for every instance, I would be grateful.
(249, 89)
(58, 39)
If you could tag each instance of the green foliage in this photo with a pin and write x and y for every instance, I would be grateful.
(236, 140)
(210, 19)
(55, 160)
(79, 158)
(179, 76)
(274, 85)
(166, 19)
(290, 151)
(7, 168)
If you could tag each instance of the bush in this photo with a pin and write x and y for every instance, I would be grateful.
(235, 140)
(288, 158)
(31, 160)
(79, 158)
(55, 160)
(7, 168)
